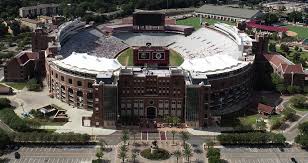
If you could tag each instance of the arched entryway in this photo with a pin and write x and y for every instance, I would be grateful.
(151, 112)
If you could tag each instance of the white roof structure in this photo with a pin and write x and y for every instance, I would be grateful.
(213, 50)
(82, 62)
(213, 64)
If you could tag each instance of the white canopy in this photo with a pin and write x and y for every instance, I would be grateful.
(83, 62)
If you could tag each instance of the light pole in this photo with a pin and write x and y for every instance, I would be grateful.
(292, 78)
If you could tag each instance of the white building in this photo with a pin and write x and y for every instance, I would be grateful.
(41, 9)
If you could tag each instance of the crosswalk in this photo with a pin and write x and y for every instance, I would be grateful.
(159, 135)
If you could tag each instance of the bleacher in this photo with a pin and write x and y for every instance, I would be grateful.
(94, 43)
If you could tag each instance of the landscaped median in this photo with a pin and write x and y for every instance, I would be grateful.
(26, 134)
(256, 138)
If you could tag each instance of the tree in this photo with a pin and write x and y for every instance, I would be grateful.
(125, 136)
(302, 138)
(261, 125)
(272, 47)
(280, 88)
(123, 153)
(184, 136)
(298, 100)
(134, 156)
(3, 30)
(187, 153)
(175, 120)
(4, 102)
(297, 57)
(173, 132)
(99, 154)
(303, 128)
(285, 48)
(289, 114)
(15, 27)
(296, 48)
(213, 152)
(295, 16)
(4, 139)
(177, 154)
(270, 18)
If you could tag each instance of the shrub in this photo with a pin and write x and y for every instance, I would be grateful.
(4, 139)
(298, 100)
(4, 103)
(159, 154)
(33, 85)
(276, 124)
(213, 155)
(43, 137)
(289, 114)
(8, 116)
(251, 138)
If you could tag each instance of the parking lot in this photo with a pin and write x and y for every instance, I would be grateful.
(60, 154)
(263, 155)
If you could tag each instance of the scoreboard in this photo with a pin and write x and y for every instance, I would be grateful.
(151, 56)
(148, 19)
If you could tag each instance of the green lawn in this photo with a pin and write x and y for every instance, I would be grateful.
(249, 120)
(126, 57)
(19, 85)
(297, 108)
(275, 118)
(301, 31)
(195, 22)
(175, 58)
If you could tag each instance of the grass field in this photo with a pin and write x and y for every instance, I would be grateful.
(175, 58)
(195, 22)
(301, 31)
(19, 85)
(126, 58)
(249, 120)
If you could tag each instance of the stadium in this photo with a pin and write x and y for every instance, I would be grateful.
(142, 71)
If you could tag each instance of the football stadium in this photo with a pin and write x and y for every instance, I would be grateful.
(147, 68)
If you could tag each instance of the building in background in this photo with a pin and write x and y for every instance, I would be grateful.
(38, 10)
(21, 67)
(227, 13)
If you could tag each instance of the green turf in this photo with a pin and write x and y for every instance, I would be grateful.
(19, 85)
(301, 31)
(126, 57)
(195, 22)
(249, 120)
(175, 58)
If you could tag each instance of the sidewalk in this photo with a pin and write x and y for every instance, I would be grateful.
(209, 132)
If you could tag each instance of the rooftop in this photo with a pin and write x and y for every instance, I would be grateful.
(228, 11)
(286, 65)
(82, 62)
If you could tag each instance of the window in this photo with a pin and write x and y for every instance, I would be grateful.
(62, 78)
(57, 76)
(70, 81)
(90, 85)
(79, 83)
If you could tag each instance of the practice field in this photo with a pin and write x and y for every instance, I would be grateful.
(126, 58)
(301, 31)
(195, 22)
